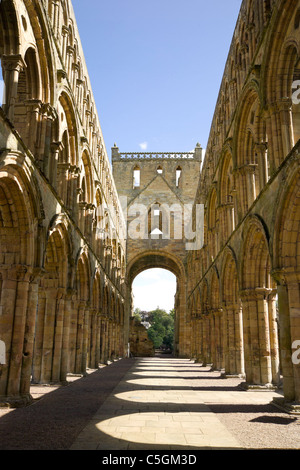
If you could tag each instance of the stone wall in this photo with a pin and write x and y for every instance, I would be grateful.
(243, 285)
(140, 344)
(62, 243)
(156, 207)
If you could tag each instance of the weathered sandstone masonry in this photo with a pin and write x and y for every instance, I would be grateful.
(70, 244)
(62, 251)
(243, 289)
(157, 191)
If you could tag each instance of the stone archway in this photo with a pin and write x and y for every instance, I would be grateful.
(160, 259)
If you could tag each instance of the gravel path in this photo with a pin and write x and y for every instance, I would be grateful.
(54, 421)
(255, 425)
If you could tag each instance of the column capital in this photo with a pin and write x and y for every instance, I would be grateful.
(261, 147)
(217, 311)
(56, 146)
(20, 272)
(13, 62)
(285, 276)
(61, 293)
(285, 104)
(257, 293)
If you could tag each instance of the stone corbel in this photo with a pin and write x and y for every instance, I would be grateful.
(61, 75)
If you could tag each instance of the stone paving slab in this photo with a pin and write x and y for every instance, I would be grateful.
(153, 407)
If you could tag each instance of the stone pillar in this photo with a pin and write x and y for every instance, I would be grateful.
(98, 340)
(274, 339)
(286, 124)
(289, 335)
(262, 157)
(65, 347)
(55, 148)
(58, 336)
(218, 346)
(85, 339)
(65, 33)
(293, 281)
(80, 337)
(198, 339)
(48, 334)
(258, 366)
(12, 66)
(29, 333)
(73, 332)
(55, 16)
(92, 339)
(18, 307)
(285, 342)
(62, 180)
(206, 341)
(233, 341)
(250, 183)
(38, 341)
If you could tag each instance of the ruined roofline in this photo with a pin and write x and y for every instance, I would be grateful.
(196, 154)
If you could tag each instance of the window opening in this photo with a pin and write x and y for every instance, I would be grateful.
(178, 175)
(136, 177)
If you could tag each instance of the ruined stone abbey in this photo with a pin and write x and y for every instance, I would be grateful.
(75, 229)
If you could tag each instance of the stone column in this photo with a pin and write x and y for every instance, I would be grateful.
(293, 281)
(30, 332)
(250, 183)
(65, 347)
(92, 338)
(48, 334)
(286, 124)
(58, 336)
(257, 346)
(85, 339)
(233, 341)
(289, 335)
(12, 66)
(103, 340)
(199, 342)
(39, 331)
(261, 149)
(55, 148)
(274, 152)
(79, 337)
(18, 306)
(264, 335)
(274, 339)
(62, 180)
(73, 332)
(55, 16)
(98, 340)
(206, 341)
(217, 313)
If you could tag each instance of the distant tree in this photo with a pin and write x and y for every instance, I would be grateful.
(137, 314)
(161, 331)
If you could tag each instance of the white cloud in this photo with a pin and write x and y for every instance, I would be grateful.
(143, 145)
(154, 288)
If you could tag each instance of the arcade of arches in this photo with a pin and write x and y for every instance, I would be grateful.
(66, 260)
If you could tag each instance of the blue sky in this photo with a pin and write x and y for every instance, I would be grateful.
(155, 68)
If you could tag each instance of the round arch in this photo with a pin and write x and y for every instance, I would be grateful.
(154, 259)
(160, 259)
